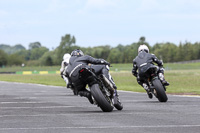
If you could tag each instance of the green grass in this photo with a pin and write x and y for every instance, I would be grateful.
(181, 81)
(115, 67)
(182, 66)
(28, 68)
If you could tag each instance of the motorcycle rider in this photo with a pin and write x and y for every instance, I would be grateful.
(64, 66)
(141, 64)
(77, 61)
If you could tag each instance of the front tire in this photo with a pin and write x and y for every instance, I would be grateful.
(102, 100)
(161, 95)
(118, 105)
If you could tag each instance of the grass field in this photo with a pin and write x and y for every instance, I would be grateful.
(115, 67)
(183, 78)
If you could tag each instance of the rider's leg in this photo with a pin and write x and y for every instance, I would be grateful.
(162, 78)
(145, 86)
(79, 89)
(105, 71)
(118, 105)
(87, 94)
(101, 69)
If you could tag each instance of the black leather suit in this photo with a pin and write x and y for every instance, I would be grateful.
(142, 62)
(76, 63)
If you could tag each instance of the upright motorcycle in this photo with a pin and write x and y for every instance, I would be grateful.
(101, 89)
(154, 84)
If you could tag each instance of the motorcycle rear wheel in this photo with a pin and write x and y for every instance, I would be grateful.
(161, 95)
(104, 102)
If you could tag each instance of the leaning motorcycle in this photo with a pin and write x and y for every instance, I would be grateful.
(154, 83)
(101, 89)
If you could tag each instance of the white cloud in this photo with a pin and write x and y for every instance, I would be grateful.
(54, 6)
(3, 13)
(172, 6)
(100, 3)
(147, 5)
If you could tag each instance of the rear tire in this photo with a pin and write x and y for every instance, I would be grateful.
(102, 100)
(161, 95)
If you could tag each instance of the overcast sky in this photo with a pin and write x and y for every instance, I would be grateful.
(99, 22)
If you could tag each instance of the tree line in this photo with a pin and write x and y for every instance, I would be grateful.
(38, 55)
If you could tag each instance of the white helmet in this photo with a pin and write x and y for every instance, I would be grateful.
(66, 57)
(143, 47)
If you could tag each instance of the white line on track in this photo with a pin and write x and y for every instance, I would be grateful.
(47, 107)
(23, 102)
(34, 84)
(104, 127)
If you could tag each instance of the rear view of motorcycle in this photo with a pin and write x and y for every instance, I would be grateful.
(155, 85)
(101, 91)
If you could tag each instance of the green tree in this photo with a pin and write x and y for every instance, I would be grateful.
(12, 49)
(165, 51)
(98, 52)
(48, 58)
(180, 54)
(15, 59)
(34, 45)
(3, 58)
(114, 56)
(66, 46)
(142, 39)
(196, 49)
(25, 54)
(188, 51)
(48, 61)
(36, 53)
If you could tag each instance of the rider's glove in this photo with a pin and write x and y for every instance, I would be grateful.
(105, 62)
(69, 85)
(135, 74)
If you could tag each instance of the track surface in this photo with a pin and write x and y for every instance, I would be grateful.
(29, 108)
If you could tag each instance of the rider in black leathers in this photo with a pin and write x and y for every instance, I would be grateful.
(142, 62)
(77, 61)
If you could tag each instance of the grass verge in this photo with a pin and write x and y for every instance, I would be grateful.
(181, 81)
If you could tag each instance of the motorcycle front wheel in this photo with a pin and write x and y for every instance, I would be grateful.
(102, 100)
(160, 92)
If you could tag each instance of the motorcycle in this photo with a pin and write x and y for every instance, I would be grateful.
(154, 84)
(101, 89)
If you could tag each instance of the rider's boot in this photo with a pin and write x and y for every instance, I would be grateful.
(87, 94)
(145, 86)
(118, 105)
(164, 82)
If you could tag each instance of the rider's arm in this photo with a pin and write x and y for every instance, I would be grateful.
(134, 70)
(96, 61)
(157, 61)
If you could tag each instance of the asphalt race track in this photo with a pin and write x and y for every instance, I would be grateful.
(29, 108)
